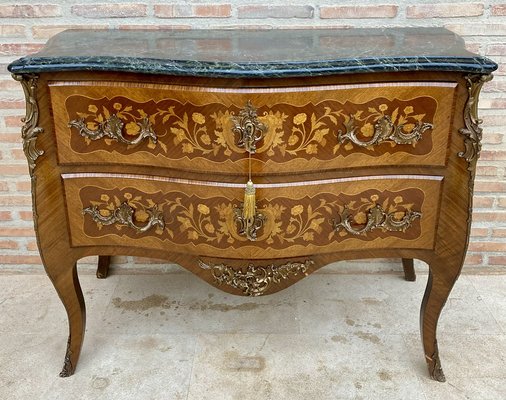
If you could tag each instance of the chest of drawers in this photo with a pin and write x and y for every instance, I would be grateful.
(145, 149)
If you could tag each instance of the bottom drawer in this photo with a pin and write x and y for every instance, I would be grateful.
(297, 219)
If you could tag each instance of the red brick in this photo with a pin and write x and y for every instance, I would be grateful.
(12, 104)
(314, 26)
(5, 216)
(8, 244)
(496, 86)
(502, 202)
(26, 215)
(486, 170)
(496, 50)
(497, 260)
(193, 11)
(499, 9)
(12, 31)
(246, 27)
(212, 10)
(32, 245)
(268, 11)
(483, 202)
(479, 232)
(19, 49)
(13, 121)
(10, 137)
(10, 200)
(167, 10)
(493, 155)
(487, 246)
(499, 232)
(13, 169)
(18, 154)
(46, 31)
(492, 138)
(473, 47)
(345, 12)
(10, 85)
(444, 10)
(156, 27)
(24, 186)
(501, 70)
(29, 11)
(116, 10)
(477, 29)
(489, 216)
(482, 186)
(17, 232)
(17, 259)
(494, 120)
(473, 259)
(499, 104)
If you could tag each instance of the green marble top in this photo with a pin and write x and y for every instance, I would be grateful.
(246, 53)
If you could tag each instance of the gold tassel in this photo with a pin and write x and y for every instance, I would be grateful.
(249, 206)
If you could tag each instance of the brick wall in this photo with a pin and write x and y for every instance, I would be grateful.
(26, 25)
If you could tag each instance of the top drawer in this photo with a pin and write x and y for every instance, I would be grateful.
(300, 128)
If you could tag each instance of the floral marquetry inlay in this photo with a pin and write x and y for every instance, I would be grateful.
(189, 219)
(322, 130)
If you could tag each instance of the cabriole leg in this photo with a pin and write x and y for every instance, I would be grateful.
(442, 276)
(103, 266)
(67, 285)
(409, 269)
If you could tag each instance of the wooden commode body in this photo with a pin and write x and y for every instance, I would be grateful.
(359, 144)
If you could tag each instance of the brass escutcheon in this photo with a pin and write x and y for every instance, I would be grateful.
(248, 128)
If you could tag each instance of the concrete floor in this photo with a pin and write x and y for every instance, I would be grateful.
(331, 336)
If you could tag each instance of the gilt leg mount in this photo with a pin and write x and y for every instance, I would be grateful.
(434, 365)
(68, 368)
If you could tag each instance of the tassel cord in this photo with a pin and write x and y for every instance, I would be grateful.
(249, 205)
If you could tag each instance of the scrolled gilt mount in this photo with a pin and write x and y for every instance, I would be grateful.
(377, 218)
(123, 215)
(30, 129)
(112, 128)
(255, 280)
(472, 131)
(384, 130)
(248, 128)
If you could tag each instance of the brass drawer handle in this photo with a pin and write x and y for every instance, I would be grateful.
(112, 128)
(249, 129)
(377, 218)
(123, 215)
(384, 131)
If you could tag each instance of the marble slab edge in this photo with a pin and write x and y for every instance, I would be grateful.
(28, 65)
